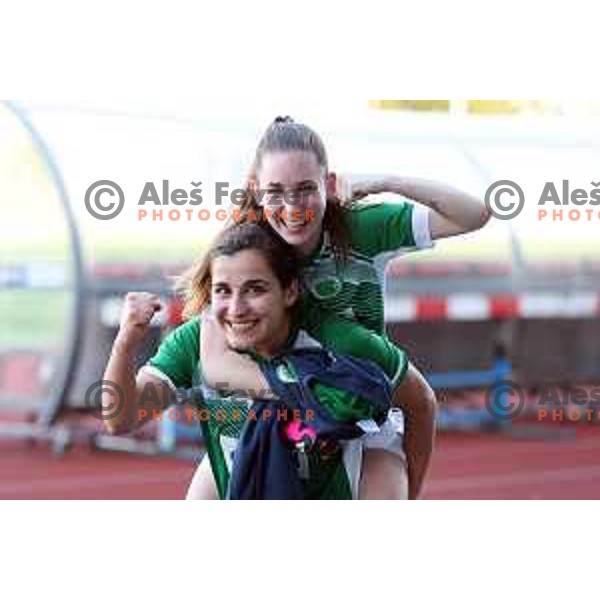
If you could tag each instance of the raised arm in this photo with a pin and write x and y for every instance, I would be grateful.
(453, 212)
(123, 391)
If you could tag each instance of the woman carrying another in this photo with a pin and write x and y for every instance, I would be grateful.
(250, 282)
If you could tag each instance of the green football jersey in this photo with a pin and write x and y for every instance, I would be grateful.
(378, 232)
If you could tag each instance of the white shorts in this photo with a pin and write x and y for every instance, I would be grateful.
(390, 436)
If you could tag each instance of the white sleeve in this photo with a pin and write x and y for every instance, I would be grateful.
(154, 372)
(420, 227)
(421, 234)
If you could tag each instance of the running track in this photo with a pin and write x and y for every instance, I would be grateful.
(464, 466)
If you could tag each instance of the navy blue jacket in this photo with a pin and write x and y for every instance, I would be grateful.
(264, 465)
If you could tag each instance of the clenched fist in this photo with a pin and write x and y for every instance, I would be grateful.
(138, 311)
(352, 188)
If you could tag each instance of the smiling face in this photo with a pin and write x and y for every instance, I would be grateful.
(250, 303)
(294, 176)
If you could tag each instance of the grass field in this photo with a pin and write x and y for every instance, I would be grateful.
(35, 320)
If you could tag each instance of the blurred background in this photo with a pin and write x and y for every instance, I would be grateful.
(518, 300)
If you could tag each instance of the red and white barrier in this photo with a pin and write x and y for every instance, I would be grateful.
(482, 307)
(453, 307)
